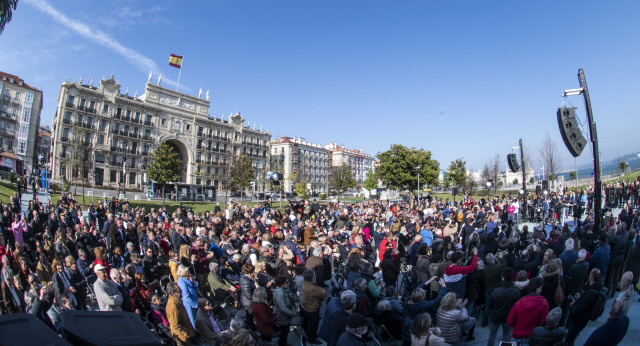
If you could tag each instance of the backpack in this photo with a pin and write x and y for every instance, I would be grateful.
(598, 306)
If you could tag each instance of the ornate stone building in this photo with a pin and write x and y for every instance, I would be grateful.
(20, 106)
(122, 130)
(359, 162)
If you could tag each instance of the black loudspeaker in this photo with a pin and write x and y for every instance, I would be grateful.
(545, 185)
(538, 190)
(106, 328)
(454, 191)
(571, 134)
(512, 160)
(27, 329)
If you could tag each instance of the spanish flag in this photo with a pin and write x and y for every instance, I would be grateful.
(175, 60)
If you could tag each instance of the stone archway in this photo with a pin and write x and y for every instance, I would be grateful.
(183, 156)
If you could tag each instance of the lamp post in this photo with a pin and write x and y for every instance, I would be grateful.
(418, 168)
(124, 172)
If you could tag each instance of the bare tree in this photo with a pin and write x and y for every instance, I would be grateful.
(495, 166)
(550, 157)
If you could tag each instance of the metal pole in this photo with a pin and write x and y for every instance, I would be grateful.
(93, 184)
(524, 176)
(597, 208)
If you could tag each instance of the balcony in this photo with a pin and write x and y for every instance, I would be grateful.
(116, 116)
(209, 135)
(91, 110)
(133, 135)
(201, 134)
(146, 137)
(81, 108)
(145, 153)
(147, 123)
(64, 139)
(69, 105)
(114, 131)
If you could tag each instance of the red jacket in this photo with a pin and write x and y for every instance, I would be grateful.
(383, 247)
(265, 318)
(528, 313)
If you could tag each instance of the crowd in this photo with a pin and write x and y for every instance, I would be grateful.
(419, 271)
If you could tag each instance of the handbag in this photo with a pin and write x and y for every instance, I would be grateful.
(558, 297)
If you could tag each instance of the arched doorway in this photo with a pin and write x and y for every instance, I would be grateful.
(183, 156)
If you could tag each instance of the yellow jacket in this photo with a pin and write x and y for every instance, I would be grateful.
(181, 327)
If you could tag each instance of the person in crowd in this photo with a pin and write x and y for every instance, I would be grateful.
(311, 303)
(582, 308)
(626, 292)
(219, 286)
(179, 320)
(423, 334)
(107, 292)
(528, 312)
(265, 319)
(502, 301)
(551, 333)
(453, 319)
(284, 306)
(338, 323)
(206, 325)
(357, 326)
(188, 286)
(613, 331)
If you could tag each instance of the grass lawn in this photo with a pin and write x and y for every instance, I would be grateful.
(6, 191)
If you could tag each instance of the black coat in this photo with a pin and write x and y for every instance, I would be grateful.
(247, 287)
(390, 269)
(587, 301)
(544, 336)
(576, 277)
(502, 300)
(618, 247)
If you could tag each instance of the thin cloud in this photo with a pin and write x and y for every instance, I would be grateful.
(140, 61)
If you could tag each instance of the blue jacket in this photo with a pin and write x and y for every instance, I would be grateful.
(332, 307)
(600, 259)
(189, 297)
(610, 333)
(568, 258)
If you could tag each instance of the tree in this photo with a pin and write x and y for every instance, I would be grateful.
(532, 180)
(80, 160)
(370, 182)
(164, 166)
(622, 166)
(573, 175)
(516, 181)
(398, 165)
(6, 12)
(492, 170)
(343, 179)
(242, 172)
(457, 172)
(550, 157)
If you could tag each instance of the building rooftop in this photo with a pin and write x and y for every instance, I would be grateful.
(13, 79)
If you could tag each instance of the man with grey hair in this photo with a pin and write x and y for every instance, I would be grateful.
(107, 292)
(338, 322)
(569, 256)
(550, 333)
(219, 286)
(626, 292)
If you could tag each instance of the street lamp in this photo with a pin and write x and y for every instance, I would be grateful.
(418, 168)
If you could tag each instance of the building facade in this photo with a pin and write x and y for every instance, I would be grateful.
(359, 162)
(43, 145)
(122, 130)
(20, 106)
(302, 160)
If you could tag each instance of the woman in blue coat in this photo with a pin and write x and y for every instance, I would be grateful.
(189, 287)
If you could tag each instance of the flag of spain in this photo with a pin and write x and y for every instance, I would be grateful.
(175, 60)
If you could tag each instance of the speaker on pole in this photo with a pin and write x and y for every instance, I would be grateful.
(545, 185)
(571, 134)
(538, 190)
(512, 160)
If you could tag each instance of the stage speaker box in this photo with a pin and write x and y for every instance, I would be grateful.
(538, 190)
(571, 134)
(512, 160)
(26, 329)
(106, 328)
(454, 191)
(545, 185)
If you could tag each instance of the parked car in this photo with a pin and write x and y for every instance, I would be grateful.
(4, 172)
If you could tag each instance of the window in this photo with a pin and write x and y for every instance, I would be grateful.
(26, 114)
(82, 103)
(79, 119)
(134, 148)
(65, 133)
(105, 108)
(67, 116)
(188, 127)
(70, 100)
(16, 98)
(10, 144)
(28, 96)
(149, 118)
(100, 158)
(147, 133)
(145, 149)
(132, 178)
(64, 151)
(89, 121)
(133, 164)
(128, 114)
(103, 124)
(164, 122)
(63, 171)
(137, 116)
(112, 175)
(119, 112)
(92, 105)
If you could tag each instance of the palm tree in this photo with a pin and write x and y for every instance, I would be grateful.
(6, 11)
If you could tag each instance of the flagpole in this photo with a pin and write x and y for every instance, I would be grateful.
(180, 73)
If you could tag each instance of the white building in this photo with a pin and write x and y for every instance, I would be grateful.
(296, 156)
(359, 162)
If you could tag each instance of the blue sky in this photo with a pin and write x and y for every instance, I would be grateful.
(460, 78)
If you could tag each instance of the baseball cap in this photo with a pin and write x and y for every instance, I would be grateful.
(99, 267)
